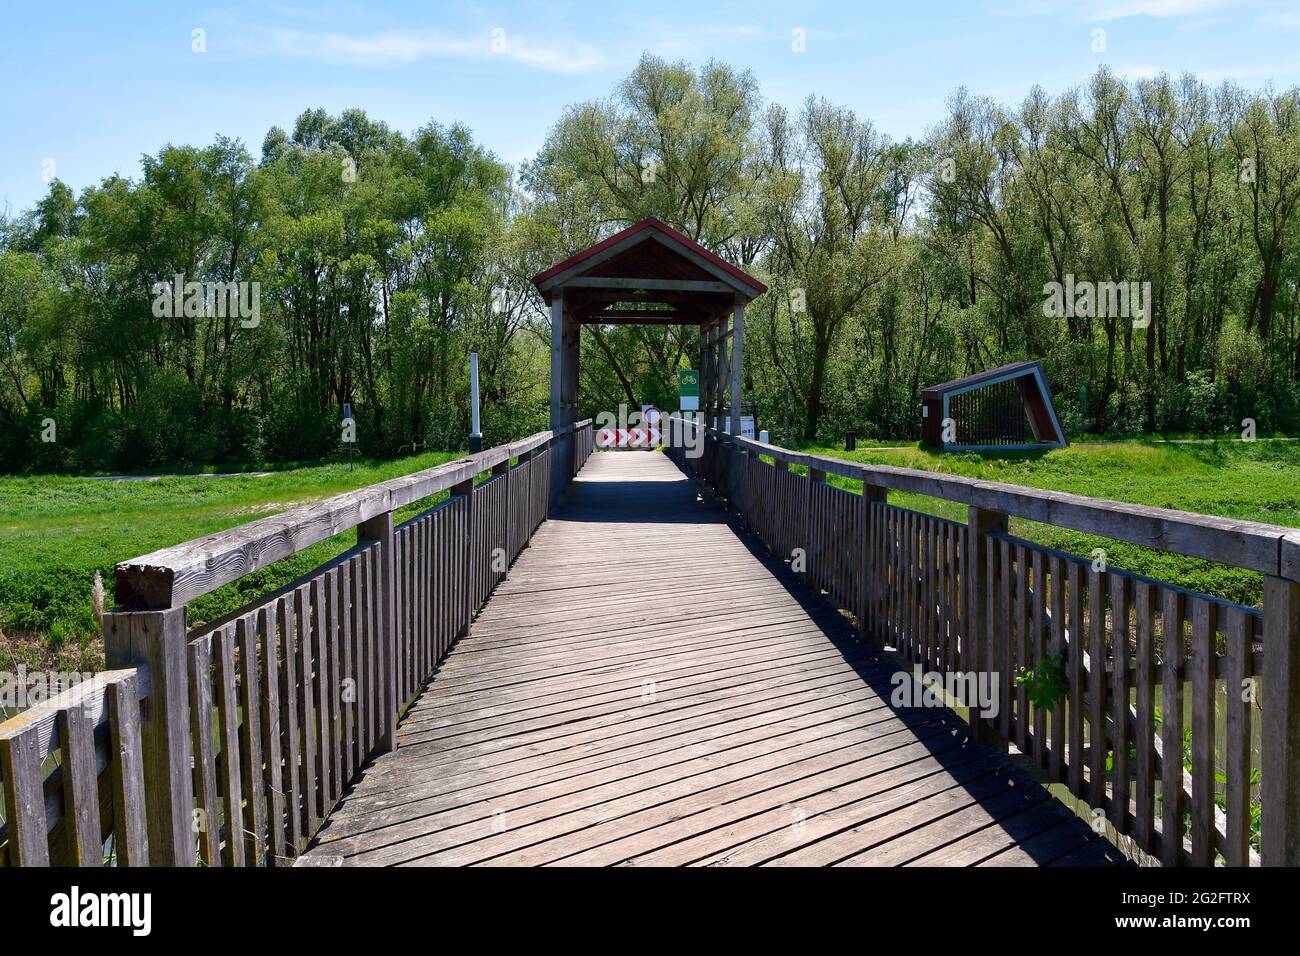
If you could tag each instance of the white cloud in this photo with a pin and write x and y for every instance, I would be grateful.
(399, 47)
(1288, 20)
(1119, 9)
(1100, 10)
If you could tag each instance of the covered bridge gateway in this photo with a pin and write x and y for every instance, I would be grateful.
(650, 274)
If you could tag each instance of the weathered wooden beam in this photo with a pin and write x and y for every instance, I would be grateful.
(1280, 745)
(600, 320)
(157, 639)
(1251, 545)
(171, 577)
(650, 285)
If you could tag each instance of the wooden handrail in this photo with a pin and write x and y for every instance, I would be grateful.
(1253, 545)
(176, 575)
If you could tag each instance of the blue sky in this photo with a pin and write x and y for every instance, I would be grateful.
(93, 85)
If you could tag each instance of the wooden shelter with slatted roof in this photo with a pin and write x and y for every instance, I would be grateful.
(650, 274)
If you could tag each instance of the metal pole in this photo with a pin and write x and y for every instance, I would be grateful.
(347, 421)
(475, 435)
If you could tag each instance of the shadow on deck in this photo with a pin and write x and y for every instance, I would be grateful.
(649, 687)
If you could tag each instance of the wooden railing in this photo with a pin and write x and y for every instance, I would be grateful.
(1163, 690)
(228, 744)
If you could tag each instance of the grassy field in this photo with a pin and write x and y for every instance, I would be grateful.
(1258, 480)
(56, 532)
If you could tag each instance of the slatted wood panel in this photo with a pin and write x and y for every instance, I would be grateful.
(63, 817)
(1146, 667)
(647, 688)
(284, 699)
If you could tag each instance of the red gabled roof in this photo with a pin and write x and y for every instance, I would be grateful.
(651, 222)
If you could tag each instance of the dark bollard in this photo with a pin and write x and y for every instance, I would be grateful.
(850, 441)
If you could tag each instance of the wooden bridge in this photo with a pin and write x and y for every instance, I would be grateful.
(647, 688)
(694, 660)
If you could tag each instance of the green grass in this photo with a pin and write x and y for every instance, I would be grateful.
(56, 532)
(1259, 481)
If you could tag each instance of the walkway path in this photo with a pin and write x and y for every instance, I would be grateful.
(647, 689)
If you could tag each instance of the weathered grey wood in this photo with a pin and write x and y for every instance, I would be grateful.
(320, 628)
(157, 640)
(172, 576)
(1098, 585)
(544, 715)
(1236, 763)
(80, 790)
(290, 725)
(1246, 544)
(1171, 732)
(650, 285)
(1144, 609)
(347, 692)
(1204, 628)
(302, 613)
(230, 760)
(1280, 752)
(278, 840)
(466, 505)
(130, 827)
(379, 530)
(1120, 591)
(250, 744)
(207, 815)
(982, 525)
(20, 766)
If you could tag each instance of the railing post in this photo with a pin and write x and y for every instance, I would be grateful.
(465, 489)
(503, 470)
(987, 651)
(867, 570)
(157, 639)
(1280, 731)
(379, 529)
(815, 476)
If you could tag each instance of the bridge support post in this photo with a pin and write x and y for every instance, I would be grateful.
(987, 648)
(379, 529)
(157, 639)
(1280, 748)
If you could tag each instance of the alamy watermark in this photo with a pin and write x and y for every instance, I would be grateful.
(1098, 300)
(970, 689)
(21, 688)
(208, 300)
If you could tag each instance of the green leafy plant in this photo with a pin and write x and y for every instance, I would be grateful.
(1046, 684)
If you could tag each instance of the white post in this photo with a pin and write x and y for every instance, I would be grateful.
(475, 433)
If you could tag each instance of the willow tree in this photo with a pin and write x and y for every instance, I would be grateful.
(824, 203)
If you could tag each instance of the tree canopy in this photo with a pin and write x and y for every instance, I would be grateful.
(381, 259)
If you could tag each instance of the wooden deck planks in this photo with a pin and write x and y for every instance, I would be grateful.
(646, 688)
